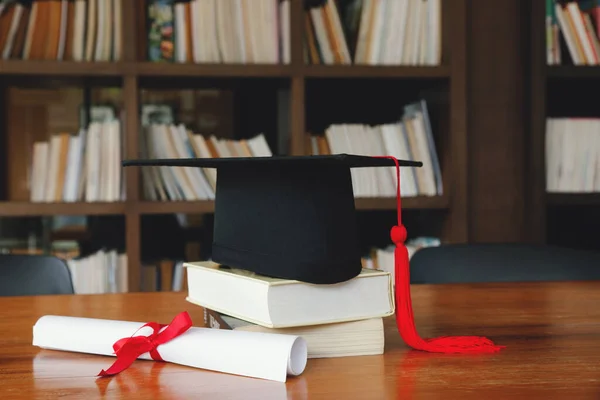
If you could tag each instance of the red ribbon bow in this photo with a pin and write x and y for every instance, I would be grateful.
(129, 349)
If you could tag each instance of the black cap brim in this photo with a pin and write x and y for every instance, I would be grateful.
(344, 160)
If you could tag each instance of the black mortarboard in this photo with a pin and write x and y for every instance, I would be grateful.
(293, 218)
(285, 217)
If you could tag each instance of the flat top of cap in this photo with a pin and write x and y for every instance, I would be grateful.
(348, 160)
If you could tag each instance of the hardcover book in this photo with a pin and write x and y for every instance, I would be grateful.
(343, 339)
(278, 303)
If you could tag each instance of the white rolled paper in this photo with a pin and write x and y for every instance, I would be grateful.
(260, 355)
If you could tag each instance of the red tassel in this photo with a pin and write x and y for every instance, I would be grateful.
(404, 313)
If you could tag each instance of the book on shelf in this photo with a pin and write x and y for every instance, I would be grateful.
(79, 167)
(218, 31)
(62, 30)
(374, 32)
(163, 275)
(343, 339)
(281, 303)
(572, 32)
(410, 138)
(104, 271)
(572, 152)
(177, 141)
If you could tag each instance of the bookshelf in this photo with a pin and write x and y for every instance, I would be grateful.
(309, 87)
(562, 211)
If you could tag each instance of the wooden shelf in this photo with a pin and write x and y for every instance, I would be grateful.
(375, 71)
(169, 207)
(23, 209)
(64, 68)
(573, 72)
(572, 199)
(419, 202)
(556, 218)
(18, 209)
(151, 69)
(133, 75)
(198, 207)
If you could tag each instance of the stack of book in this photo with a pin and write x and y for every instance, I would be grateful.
(79, 167)
(572, 153)
(177, 141)
(104, 271)
(337, 320)
(374, 32)
(63, 30)
(409, 138)
(223, 31)
(572, 32)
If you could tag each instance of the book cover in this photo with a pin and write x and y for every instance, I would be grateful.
(161, 30)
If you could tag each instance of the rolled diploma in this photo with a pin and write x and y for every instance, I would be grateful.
(260, 355)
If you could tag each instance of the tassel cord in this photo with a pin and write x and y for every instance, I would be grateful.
(404, 310)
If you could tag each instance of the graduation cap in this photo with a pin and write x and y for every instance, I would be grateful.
(293, 217)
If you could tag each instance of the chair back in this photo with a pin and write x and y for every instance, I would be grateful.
(472, 263)
(27, 275)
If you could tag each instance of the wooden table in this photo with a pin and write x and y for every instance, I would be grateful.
(551, 330)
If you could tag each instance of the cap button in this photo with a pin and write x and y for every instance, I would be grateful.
(398, 234)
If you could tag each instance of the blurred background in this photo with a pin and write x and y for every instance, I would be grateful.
(496, 99)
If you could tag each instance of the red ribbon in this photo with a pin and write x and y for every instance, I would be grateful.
(129, 349)
(404, 312)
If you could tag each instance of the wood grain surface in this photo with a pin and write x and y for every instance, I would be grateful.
(551, 330)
